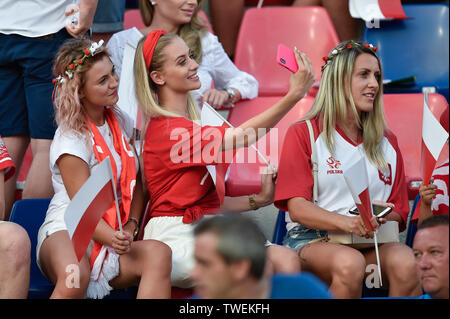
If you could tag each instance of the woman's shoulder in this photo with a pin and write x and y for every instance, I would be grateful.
(119, 39)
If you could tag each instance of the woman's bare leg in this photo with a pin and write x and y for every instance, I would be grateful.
(60, 264)
(342, 267)
(149, 264)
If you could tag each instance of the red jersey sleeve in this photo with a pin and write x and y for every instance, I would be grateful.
(399, 194)
(6, 163)
(294, 172)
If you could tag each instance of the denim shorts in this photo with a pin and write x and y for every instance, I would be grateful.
(300, 236)
(26, 84)
(109, 16)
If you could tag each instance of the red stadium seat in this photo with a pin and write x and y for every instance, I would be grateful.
(404, 114)
(308, 28)
(254, 3)
(245, 178)
(132, 18)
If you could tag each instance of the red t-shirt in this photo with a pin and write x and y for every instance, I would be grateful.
(176, 152)
(6, 163)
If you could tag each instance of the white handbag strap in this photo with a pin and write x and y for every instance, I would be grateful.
(313, 159)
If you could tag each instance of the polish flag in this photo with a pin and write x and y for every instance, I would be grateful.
(88, 206)
(369, 10)
(434, 137)
(357, 181)
(219, 172)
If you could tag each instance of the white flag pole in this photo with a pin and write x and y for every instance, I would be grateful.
(253, 146)
(378, 256)
(115, 197)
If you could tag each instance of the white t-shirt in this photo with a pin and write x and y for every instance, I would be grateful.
(215, 67)
(295, 177)
(71, 143)
(32, 18)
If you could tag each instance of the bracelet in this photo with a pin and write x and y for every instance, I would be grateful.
(132, 219)
(251, 200)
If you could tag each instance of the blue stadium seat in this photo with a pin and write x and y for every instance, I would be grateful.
(412, 228)
(280, 228)
(30, 214)
(418, 46)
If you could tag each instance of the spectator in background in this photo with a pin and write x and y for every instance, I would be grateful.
(90, 129)
(226, 17)
(108, 19)
(7, 170)
(31, 31)
(435, 195)
(230, 261)
(14, 243)
(181, 17)
(347, 122)
(431, 253)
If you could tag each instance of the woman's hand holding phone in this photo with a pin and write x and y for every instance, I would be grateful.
(304, 78)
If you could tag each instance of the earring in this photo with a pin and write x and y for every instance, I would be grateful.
(153, 3)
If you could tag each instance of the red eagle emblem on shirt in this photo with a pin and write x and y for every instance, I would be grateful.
(386, 175)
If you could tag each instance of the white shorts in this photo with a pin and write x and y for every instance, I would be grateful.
(180, 238)
(54, 221)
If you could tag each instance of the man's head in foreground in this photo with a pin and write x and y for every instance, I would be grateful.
(230, 258)
(431, 252)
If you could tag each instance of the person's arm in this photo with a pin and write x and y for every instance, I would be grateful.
(87, 11)
(427, 193)
(263, 198)
(75, 172)
(138, 204)
(312, 216)
(2, 195)
(250, 131)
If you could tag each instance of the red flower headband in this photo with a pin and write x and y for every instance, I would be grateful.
(77, 63)
(341, 47)
(150, 44)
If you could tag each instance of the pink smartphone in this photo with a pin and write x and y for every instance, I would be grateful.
(286, 58)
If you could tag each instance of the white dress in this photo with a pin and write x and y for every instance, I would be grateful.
(215, 67)
(74, 144)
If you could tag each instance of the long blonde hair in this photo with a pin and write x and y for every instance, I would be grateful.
(70, 112)
(331, 104)
(146, 89)
(190, 32)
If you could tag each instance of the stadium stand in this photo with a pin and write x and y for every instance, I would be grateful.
(417, 46)
(308, 28)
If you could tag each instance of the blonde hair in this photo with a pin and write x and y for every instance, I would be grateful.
(190, 32)
(331, 104)
(69, 110)
(146, 89)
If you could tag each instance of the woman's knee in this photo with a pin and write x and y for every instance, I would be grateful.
(158, 255)
(15, 244)
(349, 267)
(283, 259)
(400, 263)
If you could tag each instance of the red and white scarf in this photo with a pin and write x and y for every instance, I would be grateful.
(100, 254)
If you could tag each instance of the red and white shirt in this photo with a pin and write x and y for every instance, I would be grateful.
(439, 205)
(295, 176)
(6, 163)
